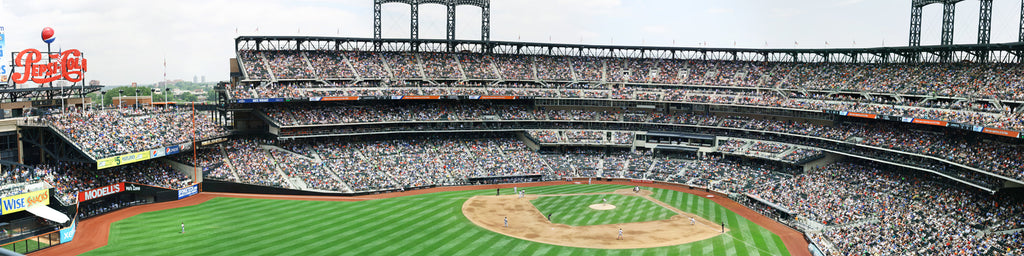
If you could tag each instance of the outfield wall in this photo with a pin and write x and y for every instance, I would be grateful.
(212, 185)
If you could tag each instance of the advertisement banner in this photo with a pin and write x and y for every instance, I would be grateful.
(929, 122)
(13, 204)
(68, 234)
(100, 192)
(122, 159)
(1002, 132)
(188, 191)
(260, 100)
(213, 141)
(172, 150)
(417, 97)
(157, 153)
(861, 115)
(497, 97)
(334, 98)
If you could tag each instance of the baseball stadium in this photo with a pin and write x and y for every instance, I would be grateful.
(321, 145)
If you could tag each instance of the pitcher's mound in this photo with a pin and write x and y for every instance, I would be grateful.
(602, 207)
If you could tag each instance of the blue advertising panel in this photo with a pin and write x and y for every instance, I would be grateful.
(68, 234)
(188, 191)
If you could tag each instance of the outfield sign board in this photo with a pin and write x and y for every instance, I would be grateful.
(68, 234)
(188, 191)
(17, 203)
(100, 192)
(122, 159)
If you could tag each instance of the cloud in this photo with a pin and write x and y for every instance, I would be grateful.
(717, 10)
(785, 12)
(849, 2)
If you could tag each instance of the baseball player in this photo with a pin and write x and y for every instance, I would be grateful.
(515, 188)
(620, 234)
(603, 200)
(692, 221)
(183, 227)
(506, 222)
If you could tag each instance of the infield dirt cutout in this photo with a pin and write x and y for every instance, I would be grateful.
(526, 222)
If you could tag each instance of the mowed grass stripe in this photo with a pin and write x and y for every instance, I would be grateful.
(294, 237)
(271, 237)
(430, 224)
(444, 236)
(414, 231)
(371, 230)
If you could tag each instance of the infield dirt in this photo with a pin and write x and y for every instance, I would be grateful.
(526, 222)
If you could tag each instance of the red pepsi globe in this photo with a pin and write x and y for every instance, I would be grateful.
(48, 35)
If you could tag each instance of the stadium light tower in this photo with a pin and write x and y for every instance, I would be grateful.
(948, 16)
(414, 19)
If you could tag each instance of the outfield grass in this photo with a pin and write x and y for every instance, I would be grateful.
(576, 211)
(430, 224)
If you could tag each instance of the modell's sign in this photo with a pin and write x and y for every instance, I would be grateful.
(100, 192)
(40, 68)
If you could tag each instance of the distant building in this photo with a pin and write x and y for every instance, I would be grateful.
(94, 82)
(195, 79)
(204, 79)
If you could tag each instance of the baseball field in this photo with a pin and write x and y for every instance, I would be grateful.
(425, 224)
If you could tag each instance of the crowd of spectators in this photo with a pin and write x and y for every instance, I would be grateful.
(960, 79)
(290, 65)
(1007, 119)
(330, 65)
(14, 177)
(252, 62)
(211, 161)
(252, 164)
(1004, 159)
(310, 171)
(800, 154)
(865, 208)
(922, 80)
(105, 133)
(68, 179)
(890, 212)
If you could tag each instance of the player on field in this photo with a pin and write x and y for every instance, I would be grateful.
(182, 227)
(620, 234)
(506, 222)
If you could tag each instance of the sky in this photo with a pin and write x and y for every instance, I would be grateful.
(128, 41)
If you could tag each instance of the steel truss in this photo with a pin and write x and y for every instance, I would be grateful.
(414, 23)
